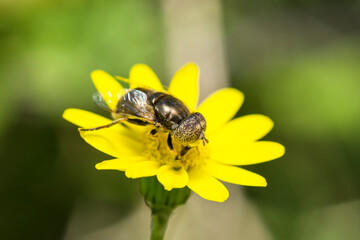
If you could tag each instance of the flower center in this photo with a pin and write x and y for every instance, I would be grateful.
(157, 148)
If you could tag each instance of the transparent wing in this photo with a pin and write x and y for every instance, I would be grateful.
(131, 103)
(107, 102)
(136, 102)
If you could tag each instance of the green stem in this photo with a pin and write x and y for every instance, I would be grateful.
(160, 218)
(162, 203)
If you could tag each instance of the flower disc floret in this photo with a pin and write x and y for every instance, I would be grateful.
(157, 149)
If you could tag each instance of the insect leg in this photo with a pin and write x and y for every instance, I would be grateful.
(184, 150)
(104, 126)
(197, 149)
(169, 142)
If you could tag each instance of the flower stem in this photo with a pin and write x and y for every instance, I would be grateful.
(161, 203)
(159, 220)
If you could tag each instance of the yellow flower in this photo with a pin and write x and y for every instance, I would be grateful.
(232, 143)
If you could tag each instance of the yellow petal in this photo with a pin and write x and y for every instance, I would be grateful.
(119, 164)
(184, 85)
(243, 129)
(207, 186)
(246, 153)
(84, 118)
(220, 107)
(142, 75)
(234, 175)
(109, 141)
(107, 86)
(142, 169)
(171, 177)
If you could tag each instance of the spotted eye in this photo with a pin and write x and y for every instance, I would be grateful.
(190, 129)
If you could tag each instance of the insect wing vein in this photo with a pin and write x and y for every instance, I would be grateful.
(135, 102)
(107, 103)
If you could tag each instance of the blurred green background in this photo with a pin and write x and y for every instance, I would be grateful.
(296, 61)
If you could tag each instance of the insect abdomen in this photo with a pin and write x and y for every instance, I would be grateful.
(170, 110)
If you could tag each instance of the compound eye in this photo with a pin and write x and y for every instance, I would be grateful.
(190, 129)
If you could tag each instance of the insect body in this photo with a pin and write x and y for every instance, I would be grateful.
(144, 106)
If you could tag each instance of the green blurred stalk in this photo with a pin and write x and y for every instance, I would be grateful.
(162, 203)
(159, 221)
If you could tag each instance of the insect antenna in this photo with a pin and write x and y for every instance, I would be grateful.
(204, 140)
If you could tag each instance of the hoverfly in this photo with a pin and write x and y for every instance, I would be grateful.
(145, 106)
